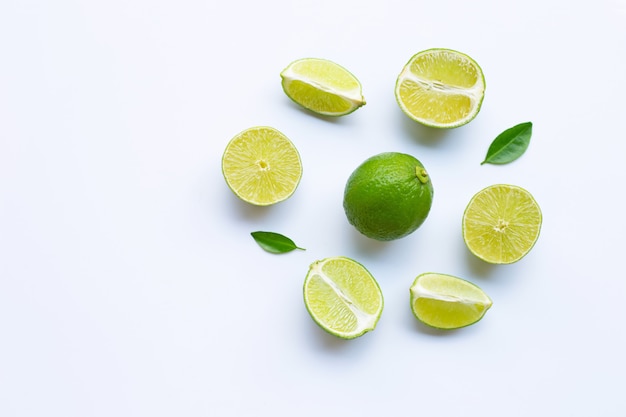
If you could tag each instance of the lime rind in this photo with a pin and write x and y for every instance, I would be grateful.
(322, 86)
(425, 92)
(388, 196)
(501, 224)
(447, 302)
(342, 297)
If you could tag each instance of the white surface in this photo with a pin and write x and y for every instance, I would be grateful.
(129, 283)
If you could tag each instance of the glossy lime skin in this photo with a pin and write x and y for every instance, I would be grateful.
(388, 196)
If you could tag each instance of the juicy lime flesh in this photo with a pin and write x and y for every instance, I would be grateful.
(446, 69)
(426, 103)
(447, 302)
(321, 101)
(325, 73)
(501, 224)
(342, 297)
(322, 86)
(441, 88)
(262, 166)
(388, 196)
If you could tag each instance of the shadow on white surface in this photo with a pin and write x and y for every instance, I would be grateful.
(424, 135)
(329, 119)
(478, 267)
(366, 246)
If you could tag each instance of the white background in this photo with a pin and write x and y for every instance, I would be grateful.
(130, 285)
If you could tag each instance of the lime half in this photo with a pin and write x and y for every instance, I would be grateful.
(342, 297)
(262, 166)
(322, 86)
(441, 88)
(501, 223)
(447, 302)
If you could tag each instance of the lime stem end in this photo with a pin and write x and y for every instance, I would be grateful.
(421, 174)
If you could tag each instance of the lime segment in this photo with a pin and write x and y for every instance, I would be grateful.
(342, 297)
(501, 223)
(262, 166)
(441, 88)
(447, 302)
(322, 86)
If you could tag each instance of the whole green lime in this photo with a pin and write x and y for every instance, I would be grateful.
(388, 196)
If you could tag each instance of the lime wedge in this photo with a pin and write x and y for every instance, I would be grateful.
(322, 86)
(441, 88)
(447, 302)
(342, 297)
(261, 166)
(501, 223)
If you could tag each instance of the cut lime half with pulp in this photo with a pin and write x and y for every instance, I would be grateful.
(501, 223)
(447, 302)
(441, 88)
(322, 86)
(342, 297)
(261, 166)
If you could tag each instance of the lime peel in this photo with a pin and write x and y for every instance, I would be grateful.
(382, 198)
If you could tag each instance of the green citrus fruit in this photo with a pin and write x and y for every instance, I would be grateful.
(447, 302)
(261, 166)
(342, 297)
(501, 223)
(441, 88)
(322, 86)
(388, 196)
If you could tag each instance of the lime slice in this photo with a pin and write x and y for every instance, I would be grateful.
(322, 86)
(262, 166)
(441, 88)
(447, 302)
(342, 297)
(501, 223)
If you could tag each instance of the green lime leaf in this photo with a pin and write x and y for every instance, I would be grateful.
(509, 145)
(274, 242)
